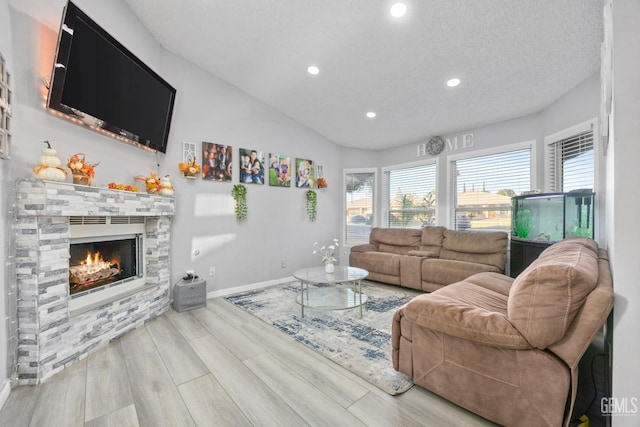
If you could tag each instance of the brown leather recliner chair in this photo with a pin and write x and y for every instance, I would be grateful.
(508, 349)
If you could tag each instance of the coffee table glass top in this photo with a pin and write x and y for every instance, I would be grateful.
(339, 275)
(335, 291)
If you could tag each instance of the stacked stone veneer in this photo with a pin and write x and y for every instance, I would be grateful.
(48, 338)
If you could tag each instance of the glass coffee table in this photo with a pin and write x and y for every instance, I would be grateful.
(339, 290)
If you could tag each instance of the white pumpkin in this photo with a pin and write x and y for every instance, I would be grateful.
(48, 168)
(49, 157)
(52, 174)
(166, 189)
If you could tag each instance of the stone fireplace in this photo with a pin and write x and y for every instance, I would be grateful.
(54, 329)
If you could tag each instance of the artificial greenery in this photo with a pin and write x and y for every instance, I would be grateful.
(239, 194)
(312, 205)
(523, 220)
(581, 231)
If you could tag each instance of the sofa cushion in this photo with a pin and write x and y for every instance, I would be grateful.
(476, 246)
(395, 240)
(553, 250)
(393, 249)
(494, 281)
(396, 237)
(467, 311)
(366, 247)
(475, 242)
(432, 236)
(546, 296)
(379, 262)
(445, 271)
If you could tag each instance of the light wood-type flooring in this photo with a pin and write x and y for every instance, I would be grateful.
(218, 366)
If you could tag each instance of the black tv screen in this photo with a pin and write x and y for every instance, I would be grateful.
(101, 84)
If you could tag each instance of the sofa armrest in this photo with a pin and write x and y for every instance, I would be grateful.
(460, 319)
(423, 254)
(367, 247)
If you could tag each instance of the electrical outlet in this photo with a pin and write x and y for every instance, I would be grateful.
(283, 264)
(212, 271)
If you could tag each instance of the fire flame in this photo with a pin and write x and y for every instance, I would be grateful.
(93, 271)
(94, 263)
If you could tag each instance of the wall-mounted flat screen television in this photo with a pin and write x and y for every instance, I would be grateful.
(99, 83)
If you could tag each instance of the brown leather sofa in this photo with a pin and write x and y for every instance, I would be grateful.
(508, 349)
(429, 258)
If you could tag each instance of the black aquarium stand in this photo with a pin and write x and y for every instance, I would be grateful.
(523, 253)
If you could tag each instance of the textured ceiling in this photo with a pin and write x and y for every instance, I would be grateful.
(513, 57)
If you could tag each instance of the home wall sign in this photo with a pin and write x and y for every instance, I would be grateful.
(435, 146)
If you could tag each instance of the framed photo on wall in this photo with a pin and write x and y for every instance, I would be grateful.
(251, 164)
(279, 170)
(216, 162)
(305, 173)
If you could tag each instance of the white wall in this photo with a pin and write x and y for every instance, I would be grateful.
(208, 109)
(623, 204)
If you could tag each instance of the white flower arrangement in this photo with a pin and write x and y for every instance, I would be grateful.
(326, 252)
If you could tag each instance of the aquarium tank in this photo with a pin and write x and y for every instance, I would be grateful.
(550, 217)
(579, 208)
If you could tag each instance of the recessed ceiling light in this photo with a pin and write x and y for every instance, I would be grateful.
(313, 70)
(398, 10)
(371, 114)
(453, 82)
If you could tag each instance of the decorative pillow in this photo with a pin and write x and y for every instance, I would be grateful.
(545, 298)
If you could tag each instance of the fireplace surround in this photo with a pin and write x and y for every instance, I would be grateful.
(53, 329)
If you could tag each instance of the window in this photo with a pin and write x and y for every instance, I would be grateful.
(482, 187)
(359, 195)
(570, 162)
(410, 196)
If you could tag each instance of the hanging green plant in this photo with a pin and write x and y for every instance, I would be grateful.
(312, 205)
(239, 194)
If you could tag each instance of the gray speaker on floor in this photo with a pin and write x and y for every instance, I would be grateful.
(189, 294)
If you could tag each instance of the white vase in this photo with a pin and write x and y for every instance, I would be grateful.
(328, 268)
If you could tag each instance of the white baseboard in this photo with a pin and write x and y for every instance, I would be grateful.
(249, 287)
(4, 392)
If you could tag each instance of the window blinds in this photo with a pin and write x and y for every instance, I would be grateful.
(571, 163)
(482, 188)
(359, 191)
(411, 196)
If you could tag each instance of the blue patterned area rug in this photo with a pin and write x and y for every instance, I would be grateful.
(363, 346)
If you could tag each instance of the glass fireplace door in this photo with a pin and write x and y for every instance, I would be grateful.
(103, 262)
